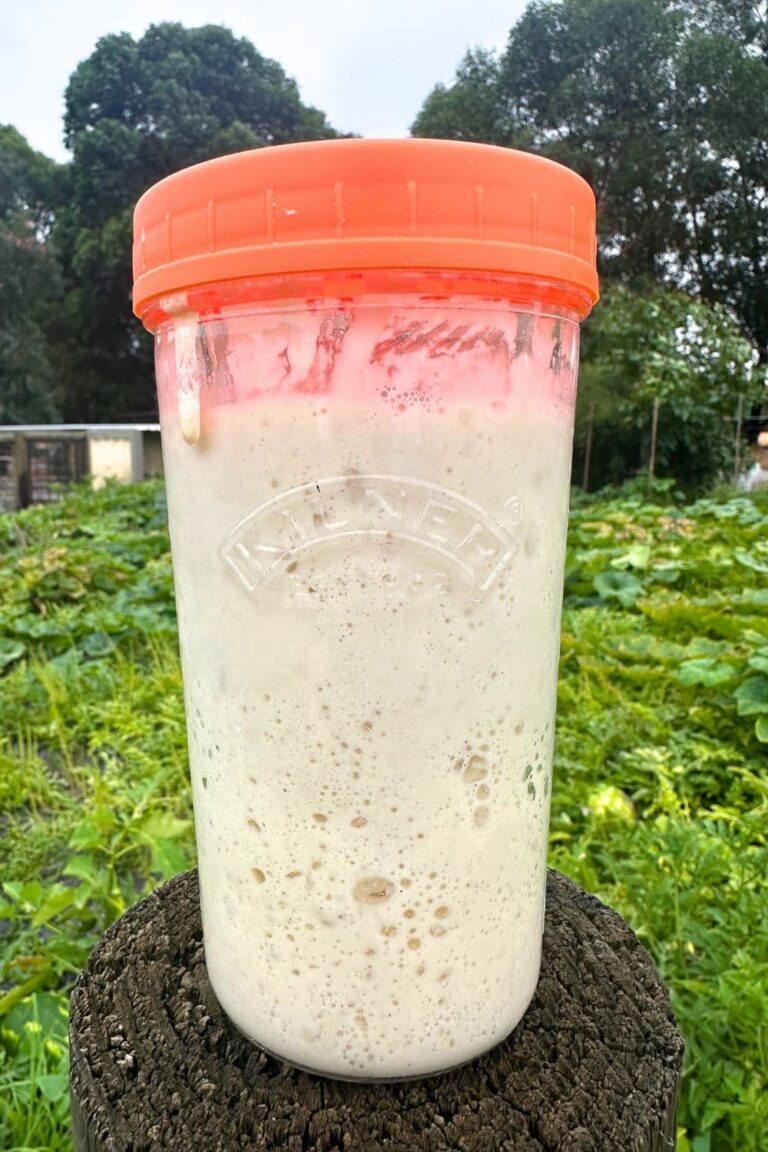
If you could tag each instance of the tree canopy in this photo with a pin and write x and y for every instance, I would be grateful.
(661, 105)
(29, 281)
(690, 356)
(137, 110)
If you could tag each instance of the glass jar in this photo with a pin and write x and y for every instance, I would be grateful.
(368, 472)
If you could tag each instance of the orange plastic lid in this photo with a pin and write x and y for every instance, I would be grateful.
(365, 204)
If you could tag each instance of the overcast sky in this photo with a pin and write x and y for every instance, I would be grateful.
(368, 64)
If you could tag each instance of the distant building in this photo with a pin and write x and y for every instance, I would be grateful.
(757, 477)
(36, 458)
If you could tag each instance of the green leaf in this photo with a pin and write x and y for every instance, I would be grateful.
(28, 894)
(759, 661)
(639, 557)
(666, 573)
(60, 899)
(71, 953)
(10, 650)
(749, 561)
(97, 644)
(752, 696)
(89, 834)
(53, 1085)
(610, 803)
(621, 586)
(704, 646)
(168, 858)
(164, 825)
(755, 596)
(761, 729)
(84, 867)
(46, 1009)
(37, 627)
(708, 672)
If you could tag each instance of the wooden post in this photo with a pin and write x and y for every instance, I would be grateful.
(588, 449)
(654, 431)
(737, 447)
(594, 1066)
(21, 469)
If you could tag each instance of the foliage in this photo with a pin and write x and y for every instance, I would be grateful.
(94, 800)
(29, 281)
(137, 110)
(660, 797)
(661, 106)
(468, 109)
(691, 356)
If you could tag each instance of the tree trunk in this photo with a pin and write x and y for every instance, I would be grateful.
(594, 1066)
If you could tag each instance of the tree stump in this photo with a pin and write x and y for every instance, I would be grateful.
(594, 1066)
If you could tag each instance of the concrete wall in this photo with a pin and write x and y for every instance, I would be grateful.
(111, 458)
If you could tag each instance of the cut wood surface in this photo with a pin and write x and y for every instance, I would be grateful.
(594, 1066)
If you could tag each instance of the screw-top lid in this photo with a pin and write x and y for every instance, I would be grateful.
(366, 204)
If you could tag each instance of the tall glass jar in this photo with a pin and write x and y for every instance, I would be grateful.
(366, 360)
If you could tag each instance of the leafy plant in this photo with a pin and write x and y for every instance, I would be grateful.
(660, 797)
(661, 107)
(688, 355)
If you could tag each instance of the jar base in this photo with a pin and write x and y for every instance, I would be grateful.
(351, 1079)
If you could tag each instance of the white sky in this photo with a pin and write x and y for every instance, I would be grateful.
(368, 64)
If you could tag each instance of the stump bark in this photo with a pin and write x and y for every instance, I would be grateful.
(594, 1066)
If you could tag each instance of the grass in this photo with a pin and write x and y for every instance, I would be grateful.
(659, 806)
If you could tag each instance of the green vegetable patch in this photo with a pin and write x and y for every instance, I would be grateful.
(659, 803)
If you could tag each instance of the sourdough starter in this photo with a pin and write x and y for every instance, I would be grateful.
(368, 516)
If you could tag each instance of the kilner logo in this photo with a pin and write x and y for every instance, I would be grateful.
(396, 509)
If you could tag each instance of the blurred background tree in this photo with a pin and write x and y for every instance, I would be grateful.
(661, 105)
(137, 110)
(30, 284)
(691, 356)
